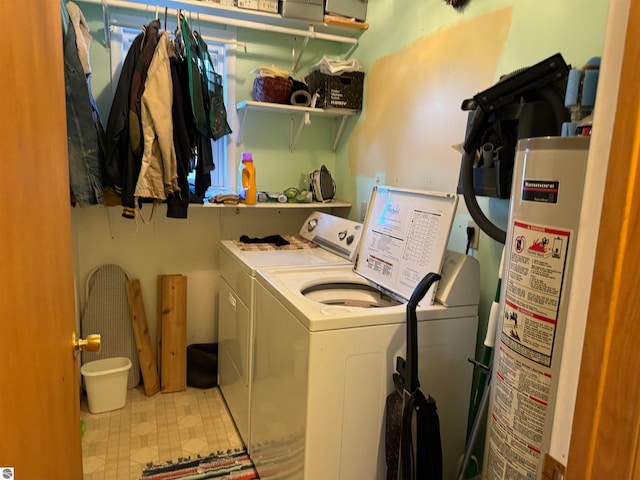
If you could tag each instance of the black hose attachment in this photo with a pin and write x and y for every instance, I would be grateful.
(472, 143)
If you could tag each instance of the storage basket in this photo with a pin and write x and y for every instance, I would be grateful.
(272, 89)
(337, 91)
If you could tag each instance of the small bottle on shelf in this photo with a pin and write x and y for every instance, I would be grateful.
(247, 190)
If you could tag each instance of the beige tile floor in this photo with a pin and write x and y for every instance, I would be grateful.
(117, 445)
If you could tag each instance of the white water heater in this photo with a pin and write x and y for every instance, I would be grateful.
(547, 191)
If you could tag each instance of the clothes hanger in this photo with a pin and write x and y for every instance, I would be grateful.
(177, 37)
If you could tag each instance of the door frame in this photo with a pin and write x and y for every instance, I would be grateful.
(606, 426)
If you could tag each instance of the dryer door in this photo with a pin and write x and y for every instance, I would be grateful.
(233, 356)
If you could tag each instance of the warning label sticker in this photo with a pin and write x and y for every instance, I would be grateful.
(533, 281)
(516, 423)
(533, 288)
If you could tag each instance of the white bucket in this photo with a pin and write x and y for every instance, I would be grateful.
(106, 383)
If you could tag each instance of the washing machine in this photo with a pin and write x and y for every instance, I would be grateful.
(323, 239)
(327, 339)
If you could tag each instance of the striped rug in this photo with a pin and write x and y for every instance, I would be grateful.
(232, 465)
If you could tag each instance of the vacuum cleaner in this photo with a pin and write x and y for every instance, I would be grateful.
(412, 441)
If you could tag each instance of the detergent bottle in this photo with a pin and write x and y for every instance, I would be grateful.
(247, 190)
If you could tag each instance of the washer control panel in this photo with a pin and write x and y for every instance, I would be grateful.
(335, 234)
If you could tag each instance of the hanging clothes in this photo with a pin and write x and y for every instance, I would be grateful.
(200, 157)
(204, 166)
(153, 142)
(197, 88)
(136, 145)
(83, 125)
(205, 85)
(158, 172)
(83, 44)
(83, 37)
(117, 134)
(178, 202)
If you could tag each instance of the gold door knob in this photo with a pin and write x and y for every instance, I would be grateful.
(90, 344)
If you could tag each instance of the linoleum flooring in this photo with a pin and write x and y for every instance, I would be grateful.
(117, 445)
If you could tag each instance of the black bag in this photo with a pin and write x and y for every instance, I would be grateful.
(322, 185)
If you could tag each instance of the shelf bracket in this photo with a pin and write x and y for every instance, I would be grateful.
(298, 57)
(350, 51)
(293, 140)
(242, 119)
(337, 131)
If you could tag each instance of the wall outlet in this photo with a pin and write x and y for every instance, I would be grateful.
(475, 240)
(363, 211)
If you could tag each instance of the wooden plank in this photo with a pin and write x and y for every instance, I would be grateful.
(338, 21)
(173, 303)
(143, 340)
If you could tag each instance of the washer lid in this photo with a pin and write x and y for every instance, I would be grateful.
(405, 237)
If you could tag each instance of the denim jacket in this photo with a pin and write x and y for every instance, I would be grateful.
(85, 176)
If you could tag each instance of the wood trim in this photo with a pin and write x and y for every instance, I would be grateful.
(606, 426)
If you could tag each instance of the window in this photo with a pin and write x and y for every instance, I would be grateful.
(223, 58)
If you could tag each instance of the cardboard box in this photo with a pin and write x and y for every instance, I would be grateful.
(311, 10)
(250, 4)
(268, 6)
(337, 91)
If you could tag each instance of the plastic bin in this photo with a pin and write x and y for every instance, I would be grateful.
(106, 383)
(337, 91)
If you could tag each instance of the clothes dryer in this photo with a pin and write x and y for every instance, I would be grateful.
(326, 340)
(323, 239)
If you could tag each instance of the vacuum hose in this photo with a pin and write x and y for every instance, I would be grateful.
(470, 200)
(472, 144)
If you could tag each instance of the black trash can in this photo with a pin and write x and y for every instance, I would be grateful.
(202, 365)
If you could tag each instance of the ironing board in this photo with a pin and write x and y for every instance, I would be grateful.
(107, 313)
